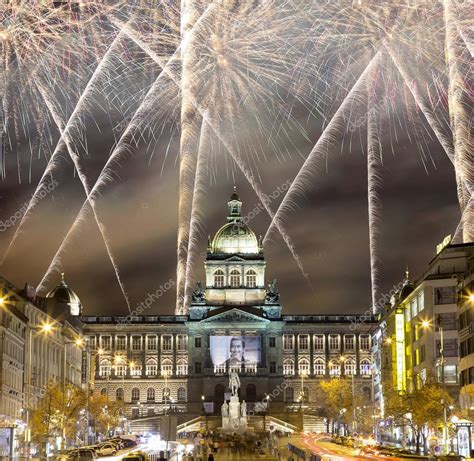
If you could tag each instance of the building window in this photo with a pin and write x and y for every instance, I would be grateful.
(166, 394)
(197, 368)
(197, 341)
(105, 342)
(450, 347)
(167, 343)
(334, 343)
(251, 279)
(349, 367)
(334, 368)
(136, 343)
(120, 370)
(166, 367)
(151, 367)
(219, 279)
(151, 343)
(303, 342)
(365, 367)
(319, 367)
(135, 370)
(349, 342)
(273, 367)
(92, 343)
(135, 412)
(289, 394)
(182, 368)
(150, 394)
(104, 368)
(181, 342)
(151, 412)
(181, 394)
(288, 342)
(103, 391)
(319, 342)
(303, 367)
(446, 320)
(121, 343)
(450, 374)
(288, 367)
(364, 342)
(272, 341)
(135, 394)
(445, 295)
(234, 278)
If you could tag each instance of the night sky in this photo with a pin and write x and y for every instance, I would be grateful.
(329, 227)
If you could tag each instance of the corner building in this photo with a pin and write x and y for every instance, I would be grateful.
(235, 321)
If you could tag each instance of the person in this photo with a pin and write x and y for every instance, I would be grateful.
(236, 353)
(210, 457)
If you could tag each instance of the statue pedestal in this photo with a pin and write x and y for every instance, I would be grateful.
(234, 422)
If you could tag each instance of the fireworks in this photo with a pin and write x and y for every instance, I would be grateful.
(232, 73)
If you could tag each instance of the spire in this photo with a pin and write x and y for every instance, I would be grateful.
(63, 282)
(234, 206)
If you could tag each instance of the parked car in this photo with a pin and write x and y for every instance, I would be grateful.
(136, 457)
(82, 454)
(106, 449)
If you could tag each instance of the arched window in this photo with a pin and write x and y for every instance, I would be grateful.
(103, 391)
(119, 394)
(349, 367)
(367, 393)
(250, 393)
(166, 367)
(150, 394)
(319, 367)
(251, 278)
(234, 278)
(135, 394)
(365, 369)
(289, 394)
(182, 367)
(166, 394)
(104, 368)
(303, 367)
(334, 368)
(218, 279)
(181, 394)
(151, 367)
(288, 367)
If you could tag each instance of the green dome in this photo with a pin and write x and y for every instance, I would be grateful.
(235, 237)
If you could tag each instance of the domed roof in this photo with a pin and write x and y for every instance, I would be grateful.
(235, 237)
(63, 294)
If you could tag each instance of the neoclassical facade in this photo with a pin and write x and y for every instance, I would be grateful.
(235, 320)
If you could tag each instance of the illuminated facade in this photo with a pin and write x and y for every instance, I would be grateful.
(235, 321)
(418, 335)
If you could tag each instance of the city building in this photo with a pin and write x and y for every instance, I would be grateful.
(235, 322)
(39, 343)
(418, 337)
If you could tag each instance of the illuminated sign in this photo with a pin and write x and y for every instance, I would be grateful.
(446, 241)
(400, 350)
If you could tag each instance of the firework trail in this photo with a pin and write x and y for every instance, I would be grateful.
(460, 111)
(374, 181)
(74, 119)
(304, 177)
(106, 176)
(200, 187)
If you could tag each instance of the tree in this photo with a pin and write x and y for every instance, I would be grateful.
(421, 408)
(338, 399)
(57, 413)
(104, 413)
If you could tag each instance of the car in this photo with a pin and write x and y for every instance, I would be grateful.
(106, 449)
(82, 454)
(137, 456)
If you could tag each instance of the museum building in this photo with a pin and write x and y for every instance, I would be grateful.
(180, 363)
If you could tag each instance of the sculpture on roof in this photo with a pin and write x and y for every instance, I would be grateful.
(272, 295)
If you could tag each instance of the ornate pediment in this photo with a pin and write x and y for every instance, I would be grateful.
(235, 259)
(235, 315)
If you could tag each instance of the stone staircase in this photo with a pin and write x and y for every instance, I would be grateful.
(313, 423)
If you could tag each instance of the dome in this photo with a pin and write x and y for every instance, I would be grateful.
(62, 294)
(235, 237)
